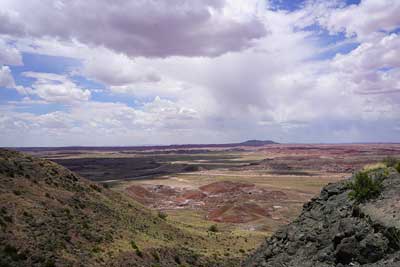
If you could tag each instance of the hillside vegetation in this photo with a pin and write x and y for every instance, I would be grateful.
(50, 216)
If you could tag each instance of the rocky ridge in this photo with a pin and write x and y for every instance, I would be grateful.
(334, 230)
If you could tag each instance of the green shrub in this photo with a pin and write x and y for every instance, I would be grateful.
(213, 228)
(133, 244)
(136, 248)
(394, 237)
(162, 215)
(177, 259)
(398, 167)
(364, 187)
(96, 249)
(139, 253)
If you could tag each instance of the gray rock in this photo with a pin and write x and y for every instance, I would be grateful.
(332, 230)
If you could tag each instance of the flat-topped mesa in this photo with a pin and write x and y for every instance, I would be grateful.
(257, 143)
(336, 230)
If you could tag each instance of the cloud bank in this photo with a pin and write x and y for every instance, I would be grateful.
(151, 72)
(136, 28)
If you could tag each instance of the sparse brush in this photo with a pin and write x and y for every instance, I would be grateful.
(139, 253)
(136, 248)
(156, 256)
(374, 167)
(391, 161)
(213, 228)
(133, 245)
(162, 215)
(364, 187)
(177, 259)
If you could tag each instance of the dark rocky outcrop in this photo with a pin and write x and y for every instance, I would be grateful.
(333, 230)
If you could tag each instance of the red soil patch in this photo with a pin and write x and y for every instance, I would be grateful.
(225, 201)
(193, 194)
(241, 213)
(225, 187)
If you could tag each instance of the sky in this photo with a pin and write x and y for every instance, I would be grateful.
(144, 72)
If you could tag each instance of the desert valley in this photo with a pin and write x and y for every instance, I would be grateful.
(245, 191)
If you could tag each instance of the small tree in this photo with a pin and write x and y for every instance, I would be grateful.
(364, 187)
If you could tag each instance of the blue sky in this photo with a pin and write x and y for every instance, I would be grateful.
(298, 4)
(293, 71)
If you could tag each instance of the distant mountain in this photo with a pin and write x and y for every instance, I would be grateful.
(252, 143)
(49, 216)
(257, 143)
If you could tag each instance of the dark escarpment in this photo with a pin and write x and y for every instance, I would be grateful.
(334, 230)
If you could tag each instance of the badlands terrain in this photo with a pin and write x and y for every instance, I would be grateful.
(231, 197)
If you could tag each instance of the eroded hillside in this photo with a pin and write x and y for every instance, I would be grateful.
(50, 216)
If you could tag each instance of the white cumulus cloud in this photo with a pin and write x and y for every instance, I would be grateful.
(6, 78)
(56, 88)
